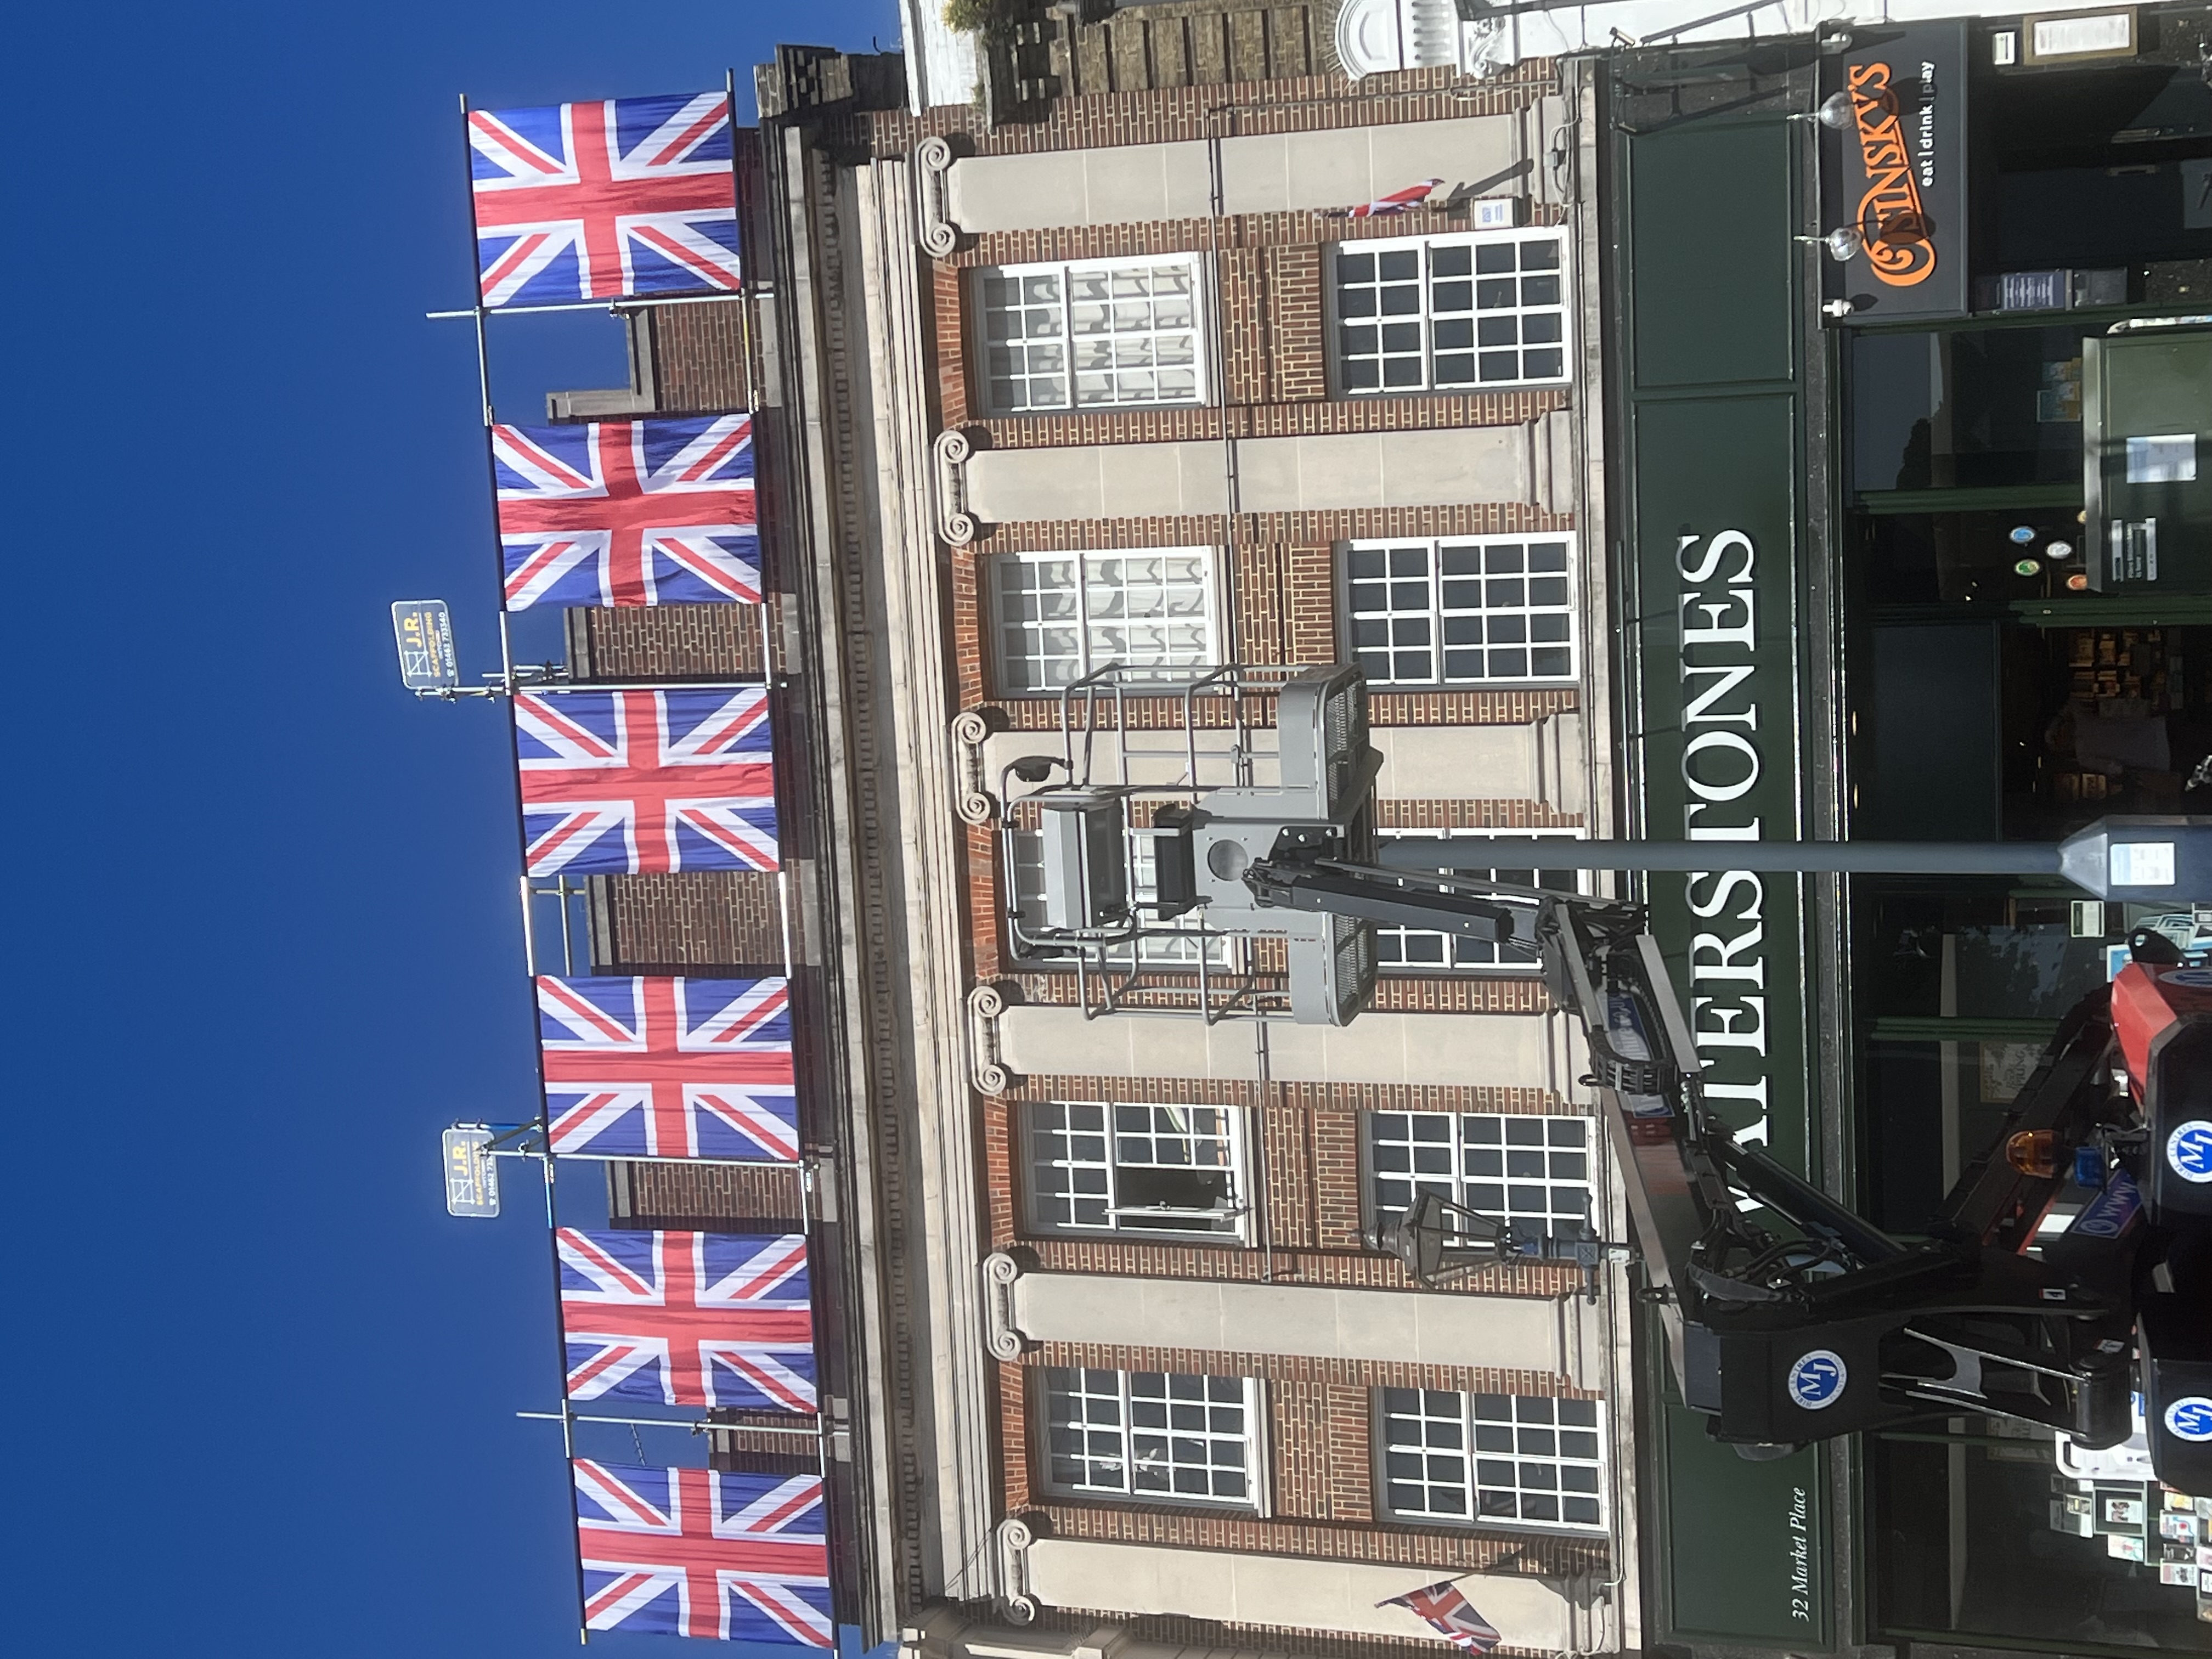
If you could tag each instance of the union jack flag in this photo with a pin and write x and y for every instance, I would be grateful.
(1398, 201)
(616, 783)
(743, 1558)
(599, 201)
(688, 1319)
(1446, 1610)
(669, 1068)
(629, 512)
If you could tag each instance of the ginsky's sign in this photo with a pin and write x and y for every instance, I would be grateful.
(1898, 175)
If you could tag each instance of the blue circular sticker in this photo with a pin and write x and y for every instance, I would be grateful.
(1817, 1380)
(2189, 1149)
(2023, 534)
(2189, 1418)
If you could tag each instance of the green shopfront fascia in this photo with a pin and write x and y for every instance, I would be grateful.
(1819, 637)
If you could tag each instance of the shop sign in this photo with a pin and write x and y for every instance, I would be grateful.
(1897, 176)
(1712, 422)
(423, 629)
(1718, 593)
(1721, 748)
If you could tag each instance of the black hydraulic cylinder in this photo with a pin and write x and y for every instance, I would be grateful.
(1392, 900)
(1914, 858)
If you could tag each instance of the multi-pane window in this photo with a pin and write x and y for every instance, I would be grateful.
(1150, 1435)
(1420, 949)
(1056, 617)
(1450, 313)
(1456, 612)
(1503, 1164)
(1099, 334)
(1124, 1166)
(1514, 1459)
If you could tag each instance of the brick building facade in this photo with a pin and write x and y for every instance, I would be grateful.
(1119, 1360)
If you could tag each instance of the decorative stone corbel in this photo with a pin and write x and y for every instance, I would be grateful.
(954, 522)
(1013, 1538)
(976, 805)
(1006, 1340)
(933, 161)
(986, 1059)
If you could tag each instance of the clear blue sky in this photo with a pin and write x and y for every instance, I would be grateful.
(262, 932)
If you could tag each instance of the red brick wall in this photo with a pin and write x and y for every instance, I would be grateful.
(701, 354)
(1313, 103)
(728, 1198)
(693, 919)
(669, 642)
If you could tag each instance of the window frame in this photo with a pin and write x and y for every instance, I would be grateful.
(977, 312)
(1348, 620)
(1470, 970)
(1371, 1210)
(1388, 1511)
(995, 624)
(1257, 1500)
(1239, 1235)
(1334, 319)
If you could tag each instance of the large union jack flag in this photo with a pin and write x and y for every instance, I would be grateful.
(688, 1319)
(669, 1068)
(617, 783)
(743, 1558)
(629, 512)
(599, 201)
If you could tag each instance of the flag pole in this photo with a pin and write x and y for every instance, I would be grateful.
(613, 307)
(522, 845)
(703, 1426)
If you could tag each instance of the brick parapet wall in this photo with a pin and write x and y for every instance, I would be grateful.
(690, 920)
(704, 1197)
(699, 357)
(668, 642)
(1312, 103)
